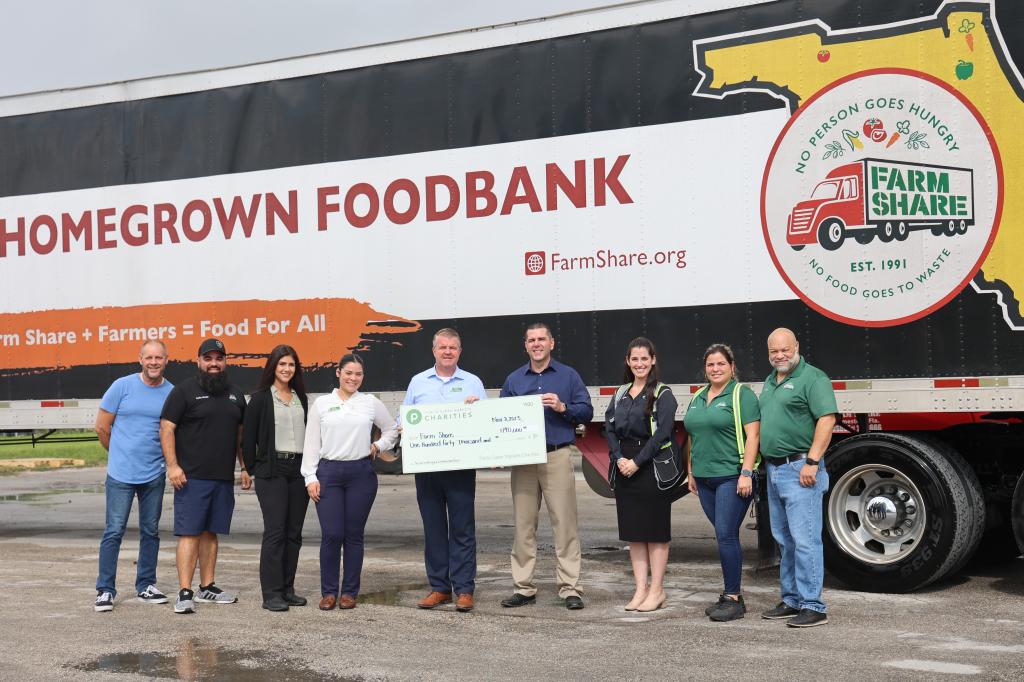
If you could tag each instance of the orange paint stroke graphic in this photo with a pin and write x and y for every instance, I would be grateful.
(320, 330)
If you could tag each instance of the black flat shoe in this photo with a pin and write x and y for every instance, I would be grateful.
(573, 603)
(294, 600)
(518, 600)
(275, 604)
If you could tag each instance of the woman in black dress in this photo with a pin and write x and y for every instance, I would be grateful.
(272, 437)
(638, 423)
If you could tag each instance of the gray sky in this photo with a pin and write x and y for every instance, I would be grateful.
(58, 44)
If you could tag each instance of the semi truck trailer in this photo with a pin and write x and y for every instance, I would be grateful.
(628, 169)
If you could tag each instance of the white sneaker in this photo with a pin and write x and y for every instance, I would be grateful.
(104, 602)
(211, 594)
(152, 595)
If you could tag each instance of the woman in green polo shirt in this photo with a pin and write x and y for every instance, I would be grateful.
(721, 459)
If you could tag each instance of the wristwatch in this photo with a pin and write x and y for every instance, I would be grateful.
(811, 461)
(746, 472)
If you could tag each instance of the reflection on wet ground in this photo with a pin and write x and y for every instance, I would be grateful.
(390, 597)
(47, 495)
(195, 661)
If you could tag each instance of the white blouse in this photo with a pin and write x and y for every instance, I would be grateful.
(340, 430)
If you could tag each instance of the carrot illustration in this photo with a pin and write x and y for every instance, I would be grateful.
(902, 128)
(966, 26)
(852, 139)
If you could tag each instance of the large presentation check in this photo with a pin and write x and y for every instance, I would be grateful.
(489, 433)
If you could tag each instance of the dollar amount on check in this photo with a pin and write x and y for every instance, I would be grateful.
(489, 433)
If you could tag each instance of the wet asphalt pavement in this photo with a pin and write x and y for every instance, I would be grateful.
(51, 522)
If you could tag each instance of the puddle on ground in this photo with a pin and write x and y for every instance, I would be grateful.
(389, 597)
(194, 661)
(46, 495)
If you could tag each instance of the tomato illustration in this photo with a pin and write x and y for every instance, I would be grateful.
(823, 56)
(874, 130)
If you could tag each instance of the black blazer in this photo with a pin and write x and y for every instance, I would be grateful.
(258, 433)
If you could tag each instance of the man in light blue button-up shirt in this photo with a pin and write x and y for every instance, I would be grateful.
(447, 498)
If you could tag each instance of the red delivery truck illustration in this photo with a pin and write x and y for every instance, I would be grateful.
(885, 199)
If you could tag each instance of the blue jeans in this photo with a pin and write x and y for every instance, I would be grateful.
(796, 524)
(119, 498)
(725, 510)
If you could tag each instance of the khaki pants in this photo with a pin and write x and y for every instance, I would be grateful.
(556, 483)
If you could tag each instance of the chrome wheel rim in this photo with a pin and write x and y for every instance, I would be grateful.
(876, 514)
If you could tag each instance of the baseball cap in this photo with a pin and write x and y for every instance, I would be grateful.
(211, 345)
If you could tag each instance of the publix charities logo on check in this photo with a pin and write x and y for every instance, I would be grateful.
(882, 197)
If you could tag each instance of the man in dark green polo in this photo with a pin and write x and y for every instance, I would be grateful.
(798, 412)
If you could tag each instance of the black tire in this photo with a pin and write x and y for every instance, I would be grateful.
(940, 519)
(902, 231)
(831, 234)
(798, 247)
(886, 233)
(961, 227)
(1018, 513)
(597, 480)
(864, 237)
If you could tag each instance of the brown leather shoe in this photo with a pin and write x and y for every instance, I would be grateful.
(327, 602)
(347, 602)
(435, 599)
(464, 603)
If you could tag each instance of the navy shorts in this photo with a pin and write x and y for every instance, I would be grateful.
(203, 505)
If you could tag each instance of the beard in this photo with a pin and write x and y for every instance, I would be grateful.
(215, 383)
(787, 366)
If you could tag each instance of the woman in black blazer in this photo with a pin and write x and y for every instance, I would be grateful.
(272, 438)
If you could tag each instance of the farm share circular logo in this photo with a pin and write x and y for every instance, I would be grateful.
(882, 197)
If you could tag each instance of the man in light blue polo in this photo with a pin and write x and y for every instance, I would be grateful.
(447, 498)
(128, 426)
(798, 412)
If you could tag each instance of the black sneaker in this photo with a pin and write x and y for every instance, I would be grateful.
(152, 595)
(808, 619)
(721, 600)
(780, 612)
(731, 609)
(104, 602)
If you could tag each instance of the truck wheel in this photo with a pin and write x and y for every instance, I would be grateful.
(1018, 512)
(864, 237)
(951, 228)
(831, 234)
(901, 231)
(902, 512)
(886, 232)
(798, 247)
(961, 227)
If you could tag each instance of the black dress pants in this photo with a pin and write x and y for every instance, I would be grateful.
(283, 501)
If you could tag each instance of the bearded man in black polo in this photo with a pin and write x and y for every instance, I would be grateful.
(200, 433)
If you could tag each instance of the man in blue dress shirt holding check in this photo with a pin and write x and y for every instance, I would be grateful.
(447, 498)
(566, 404)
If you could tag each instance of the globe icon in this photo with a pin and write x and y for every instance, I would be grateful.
(535, 263)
